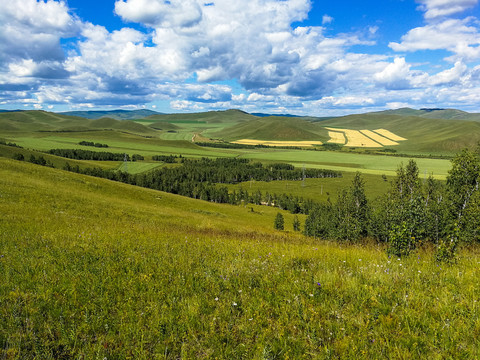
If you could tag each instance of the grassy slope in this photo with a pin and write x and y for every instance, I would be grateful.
(209, 117)
(445, 114)
(274, 128)
(28, 121)
(94, 269)
(318, 189)
(424, 135)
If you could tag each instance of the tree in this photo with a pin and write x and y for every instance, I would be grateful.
(463, 184)
(296, 223)
(352, 211)
(279, 223)
(18, 156)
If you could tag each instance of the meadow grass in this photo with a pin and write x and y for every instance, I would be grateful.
(131, 143)
(94, 269)
(137, 167)
(319, 190)
(351, 162)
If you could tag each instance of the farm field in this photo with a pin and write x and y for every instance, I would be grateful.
(351, 162)
(92, 268)
(135, 144)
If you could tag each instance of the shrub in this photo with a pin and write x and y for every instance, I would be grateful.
(279, 223)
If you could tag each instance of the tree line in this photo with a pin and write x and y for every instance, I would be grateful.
(412, 212)
(80, 154)
(91, 143)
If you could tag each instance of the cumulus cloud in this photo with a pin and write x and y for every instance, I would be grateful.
(32, 30)
(461, 37)
(435, 9)
(451, 76)
(160, 13)
(327, 19)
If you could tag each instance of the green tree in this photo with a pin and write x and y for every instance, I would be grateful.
(352, 212)
(296, 223)
(463, 183)
(279, 223)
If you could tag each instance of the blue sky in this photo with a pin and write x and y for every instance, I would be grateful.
(302, 57)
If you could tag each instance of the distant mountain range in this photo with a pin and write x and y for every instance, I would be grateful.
(431, 113)
(113, 114)
(434, 113)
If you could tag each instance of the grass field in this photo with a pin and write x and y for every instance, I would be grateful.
(137, 166)
(351, 162)
(319, 190)
(95, 269)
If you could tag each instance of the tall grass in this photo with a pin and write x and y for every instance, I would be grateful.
(93, 269)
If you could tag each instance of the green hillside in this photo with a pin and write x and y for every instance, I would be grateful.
(424, 135)
(207, 117)
(274, 128)
(445, 114)
(114, 114)
(35, 121)
(97, 269)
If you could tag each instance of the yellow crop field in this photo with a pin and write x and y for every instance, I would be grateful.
(389, 135)
(378, 138)
(336, 137)
(277, 143)
(356, 139)
(363, 138)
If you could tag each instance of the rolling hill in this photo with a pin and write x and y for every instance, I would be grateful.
(274, 128)
(423, 134)
(435, 113)
(205, 117)
(41, 121)
(114, 114)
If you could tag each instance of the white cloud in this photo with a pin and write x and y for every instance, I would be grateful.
(449, 76)
(160, 13)
(326, 19)
(32, 30)
(461, 37)
(440, 8)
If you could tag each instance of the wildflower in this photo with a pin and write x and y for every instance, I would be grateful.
(311, 295)
(319, 284)
(216, 299)
(234, 303)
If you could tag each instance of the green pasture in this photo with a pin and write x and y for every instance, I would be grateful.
(117, 142)
(95, 269)
(351, 162)
(136, 167)
(319, 190)
(134, 144)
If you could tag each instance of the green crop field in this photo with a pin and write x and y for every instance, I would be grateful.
(92, 269)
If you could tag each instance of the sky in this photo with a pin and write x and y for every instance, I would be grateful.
(303, 57)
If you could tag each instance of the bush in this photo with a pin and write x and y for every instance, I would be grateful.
(400, 240)
(279, 223)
